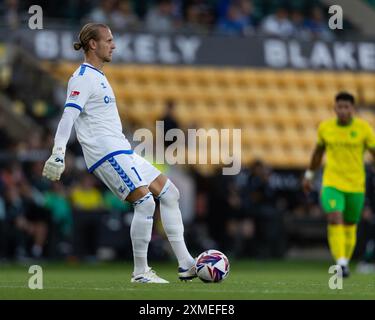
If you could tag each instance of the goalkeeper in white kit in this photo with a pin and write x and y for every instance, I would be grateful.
(91, 108)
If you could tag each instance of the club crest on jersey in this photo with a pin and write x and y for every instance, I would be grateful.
(74, 95)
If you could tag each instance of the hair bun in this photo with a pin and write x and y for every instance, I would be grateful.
(77, 45)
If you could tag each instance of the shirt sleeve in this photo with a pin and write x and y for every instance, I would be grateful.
(370, 138)
(320, 139)
(64, 128)
(78, 92)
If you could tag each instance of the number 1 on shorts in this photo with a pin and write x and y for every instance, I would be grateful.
(135, 170)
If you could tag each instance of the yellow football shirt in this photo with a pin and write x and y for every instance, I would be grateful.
(345, 146)
(87, 199)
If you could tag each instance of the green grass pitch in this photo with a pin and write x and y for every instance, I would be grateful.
(247, 280)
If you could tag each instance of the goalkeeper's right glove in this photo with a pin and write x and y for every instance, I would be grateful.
(55, 165)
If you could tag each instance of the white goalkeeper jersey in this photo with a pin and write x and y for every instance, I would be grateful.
(98, 127)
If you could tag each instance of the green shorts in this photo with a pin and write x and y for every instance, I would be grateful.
(350, 204)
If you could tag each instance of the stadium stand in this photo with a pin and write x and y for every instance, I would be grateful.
(273, 107)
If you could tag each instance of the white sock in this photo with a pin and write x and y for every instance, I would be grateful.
(342, 262)
(140, 231)
(172, 223)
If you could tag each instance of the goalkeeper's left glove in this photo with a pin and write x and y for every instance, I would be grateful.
(55, 165)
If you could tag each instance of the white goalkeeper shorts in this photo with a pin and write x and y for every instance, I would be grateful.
(123, 173)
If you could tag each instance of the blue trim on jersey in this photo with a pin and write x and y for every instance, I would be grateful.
(86, 65)
(110, 155)
(82, 70)
(73, 105)
(122, 174)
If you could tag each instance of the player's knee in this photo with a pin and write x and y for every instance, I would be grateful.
(145, 204)
(169, 194)
(335, 218)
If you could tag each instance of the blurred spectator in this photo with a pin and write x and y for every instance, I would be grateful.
(240, 225)
(115, 239)
(247, 10)
(207, 17)
(317, 25)
(88, 208)
(124, 18)
(103, 13)
(201, 234)
(365, 249)
(26, 220)
(36, 219)
(85, 195)
(299, 26)
(243, 216)
(237, 20)
(56, 201)
(33, 149)
(278, 24)
(12, 238)
(113, 203)
(12, 175)
(75, 10)
(169, 119)
(160, 18)
(5, 139)
(233, 17)
(366, 232)
(194, 20)
(222, 8)
(262, 207)
(12, 16)
(33, 171)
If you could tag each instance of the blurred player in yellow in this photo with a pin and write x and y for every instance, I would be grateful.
(344, 139)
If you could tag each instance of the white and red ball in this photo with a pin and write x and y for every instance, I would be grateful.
(212, 266)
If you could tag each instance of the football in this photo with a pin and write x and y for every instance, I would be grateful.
(212, 266)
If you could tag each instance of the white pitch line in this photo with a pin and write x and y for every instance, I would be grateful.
(342, 292)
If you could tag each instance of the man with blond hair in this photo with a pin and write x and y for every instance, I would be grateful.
(91, 108)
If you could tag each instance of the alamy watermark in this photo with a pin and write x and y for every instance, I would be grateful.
(36, 280)
(337, 18)
(197, 146)
(335, 282)
(36, 20)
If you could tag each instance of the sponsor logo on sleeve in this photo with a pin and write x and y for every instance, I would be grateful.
(108, 99)
(74, 95)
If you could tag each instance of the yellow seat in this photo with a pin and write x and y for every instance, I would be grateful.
(346, 81)
(368, 95)
(306, 78)
(366, 80)
(267, 78)
(326, 79)
(287, 79)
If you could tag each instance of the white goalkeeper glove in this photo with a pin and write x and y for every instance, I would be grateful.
(55, 165)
